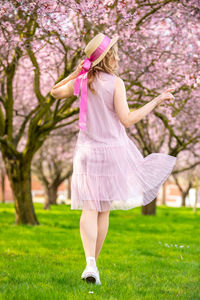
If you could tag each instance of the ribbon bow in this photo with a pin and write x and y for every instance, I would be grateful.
(83, 75)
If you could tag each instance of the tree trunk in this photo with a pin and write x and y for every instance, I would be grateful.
(183, 199)
(69, 187)
(149, 209)
(46, 202)
(196, 200)
(163, 200)
(50, 195)
(2, 187)
(20, 181)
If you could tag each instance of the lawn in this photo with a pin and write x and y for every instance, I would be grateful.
(143, 257)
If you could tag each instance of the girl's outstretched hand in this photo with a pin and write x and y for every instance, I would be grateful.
(166, 95)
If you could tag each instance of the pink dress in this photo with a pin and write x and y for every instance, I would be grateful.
(109, 172)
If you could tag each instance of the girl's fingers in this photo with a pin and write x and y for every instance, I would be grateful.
(169, 90)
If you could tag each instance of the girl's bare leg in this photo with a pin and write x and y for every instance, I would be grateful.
(88, 231)
(103, 223)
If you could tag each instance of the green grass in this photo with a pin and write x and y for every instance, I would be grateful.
(143, 257)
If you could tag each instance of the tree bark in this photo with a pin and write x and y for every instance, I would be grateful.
(69, 187)
(163, 200)
(3, 187)
(50, 195)
(183, 199)
(19, 175)
(149, 209)
(196, 199)
(46, 202)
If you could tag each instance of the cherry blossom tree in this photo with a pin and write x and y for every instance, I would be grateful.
(187, 172)
(28, 112)
(167, 54)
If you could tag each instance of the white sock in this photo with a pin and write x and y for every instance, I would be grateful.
(91, 261)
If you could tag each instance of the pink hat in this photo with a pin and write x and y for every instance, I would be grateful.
(95, 50)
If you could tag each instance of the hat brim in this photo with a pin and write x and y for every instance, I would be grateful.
(113, 41)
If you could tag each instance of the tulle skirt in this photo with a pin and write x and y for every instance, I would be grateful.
(111, 177)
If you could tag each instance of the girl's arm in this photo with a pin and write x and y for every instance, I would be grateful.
(127, 117)
(64, 88)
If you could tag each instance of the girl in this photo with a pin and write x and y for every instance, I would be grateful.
(109, 171)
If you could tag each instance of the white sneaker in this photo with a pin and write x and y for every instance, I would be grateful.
(91, 274)
(98, 278)
(83, 274)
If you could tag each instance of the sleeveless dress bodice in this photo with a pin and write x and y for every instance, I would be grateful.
(103, 126)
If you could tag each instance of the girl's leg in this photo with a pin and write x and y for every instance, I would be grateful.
(103, 223)
(88, 231)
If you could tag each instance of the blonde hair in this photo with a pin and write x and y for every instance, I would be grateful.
(104, 65)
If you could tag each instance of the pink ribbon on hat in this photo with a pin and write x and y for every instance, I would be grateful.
(83, 75)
